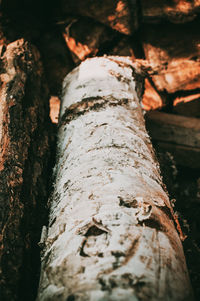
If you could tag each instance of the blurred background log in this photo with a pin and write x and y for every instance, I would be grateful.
(120, 15)
(187, 105)
(178, 134)
(175, 11)
(56, 58)
(86, 37)
(176, 50)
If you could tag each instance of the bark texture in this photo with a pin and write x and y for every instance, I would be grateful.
(24, 153)
(111, 233)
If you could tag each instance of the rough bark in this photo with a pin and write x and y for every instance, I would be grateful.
(111, 233)
(24, 153)
(179, 135)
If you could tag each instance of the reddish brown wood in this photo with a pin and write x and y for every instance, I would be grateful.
(151, 100)
(174, 51)
(86, 37)
(120, 15)
(175, 11)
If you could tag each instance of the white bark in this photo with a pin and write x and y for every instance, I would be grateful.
(111, 233)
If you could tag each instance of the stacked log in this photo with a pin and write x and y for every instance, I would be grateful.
(178, 134)
(24, 159)
(162, 33)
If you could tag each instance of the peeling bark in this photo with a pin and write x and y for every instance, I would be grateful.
(111, 233)
(24, 153)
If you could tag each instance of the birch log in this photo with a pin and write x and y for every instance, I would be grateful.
(111, 233)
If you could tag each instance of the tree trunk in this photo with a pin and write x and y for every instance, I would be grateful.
(24, 154)
(111, 233)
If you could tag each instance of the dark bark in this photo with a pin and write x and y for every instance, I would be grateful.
(24, 142)
(177, 134)
(188, 105)
(86, 37)
(174, 11)
(119, 15)
(56, 58)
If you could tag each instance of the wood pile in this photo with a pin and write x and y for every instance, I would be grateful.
(162, 37)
